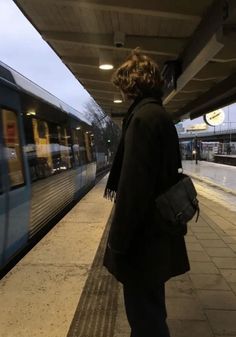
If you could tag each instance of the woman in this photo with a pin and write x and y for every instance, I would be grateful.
(139, 253)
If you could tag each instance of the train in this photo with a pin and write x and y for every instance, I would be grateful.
(50, 155)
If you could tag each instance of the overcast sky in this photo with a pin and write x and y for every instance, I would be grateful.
(23, 49)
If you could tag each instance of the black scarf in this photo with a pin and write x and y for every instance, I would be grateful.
(114, 176)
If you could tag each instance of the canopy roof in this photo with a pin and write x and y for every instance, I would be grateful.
(200, 35)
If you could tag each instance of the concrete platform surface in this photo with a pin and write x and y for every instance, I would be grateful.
(40, 294)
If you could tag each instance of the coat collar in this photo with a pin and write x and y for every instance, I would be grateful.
(144, 100)
(138, 102)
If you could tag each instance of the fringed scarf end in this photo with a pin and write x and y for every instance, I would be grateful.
(109, 194)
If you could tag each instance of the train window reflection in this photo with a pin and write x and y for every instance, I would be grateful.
(48, 148)
(1, 163)
(76, 146)
(81, 148)
(65, 158)
(88, 146)
(42, 161)
(12, 148)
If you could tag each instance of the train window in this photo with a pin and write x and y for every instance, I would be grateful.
(92, 146)
(88, 146)
(1, 163)
(82, 149)
(65, 149)
(83, 146)
(1, 157)
(41, 162)
(76, 146)
(48, 148)
(1, 186)
(12, 146)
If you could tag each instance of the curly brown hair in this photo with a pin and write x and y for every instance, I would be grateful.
(139, 75)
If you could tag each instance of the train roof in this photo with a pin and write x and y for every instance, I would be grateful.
(32, 88)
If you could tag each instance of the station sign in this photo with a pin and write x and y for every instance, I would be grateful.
(214, 118)
(197, 127)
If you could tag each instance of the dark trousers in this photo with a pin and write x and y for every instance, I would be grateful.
(146, 311)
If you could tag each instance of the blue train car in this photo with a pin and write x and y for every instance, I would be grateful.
(48, 158)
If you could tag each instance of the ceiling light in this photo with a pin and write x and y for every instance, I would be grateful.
(105, 60)
(31, 113)
(117, 99)
(106, 66)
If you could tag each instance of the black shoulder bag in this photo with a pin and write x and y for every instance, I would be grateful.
(177, 206)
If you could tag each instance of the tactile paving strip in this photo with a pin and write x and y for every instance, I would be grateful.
(97, 309)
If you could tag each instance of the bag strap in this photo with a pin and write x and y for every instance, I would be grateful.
(179, 159)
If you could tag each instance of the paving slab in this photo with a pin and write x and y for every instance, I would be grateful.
(183, 328)
(203, 268)
(207, 281)
(212, 243)
(220, 252)
(198, 256)
(233, 287)
(225, 262)
(229, 275)
(229, 239)
(222, 322)
(231, 232)
(195, 247)
(184, 308)
(223, 223)
(205, 236)
(191, 239)
(232, 246)
(202, 229)
(217, 299)
(179, 289)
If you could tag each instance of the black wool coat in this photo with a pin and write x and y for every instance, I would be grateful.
(137, 251)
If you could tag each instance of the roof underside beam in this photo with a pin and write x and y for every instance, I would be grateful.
(82, 65)
(95, 90)
(94, 76)
(220, 95)
(206, 42)
(99, 85)
(161, 9)
(164, 46)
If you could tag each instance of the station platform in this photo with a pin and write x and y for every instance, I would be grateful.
(60, 289)
(214, 181)
(218, 175)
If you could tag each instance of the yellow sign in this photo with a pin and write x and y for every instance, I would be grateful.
(215, 118)
(197, 127)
